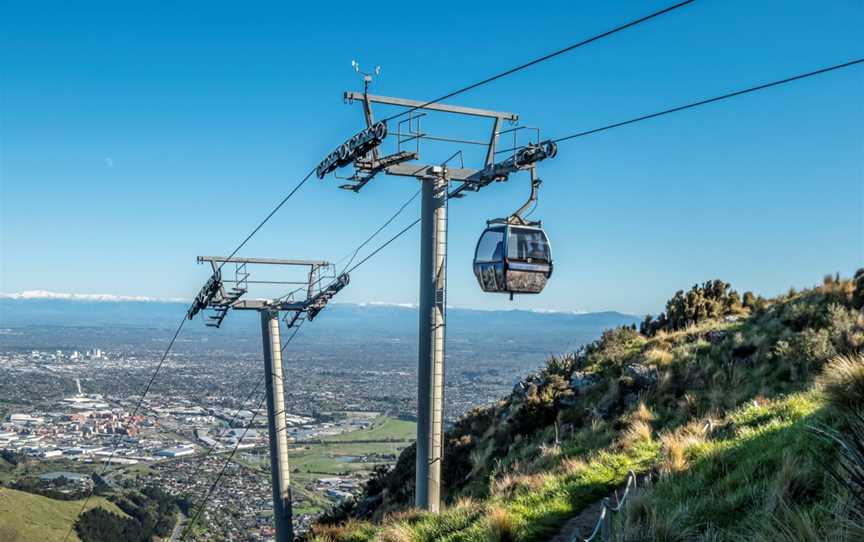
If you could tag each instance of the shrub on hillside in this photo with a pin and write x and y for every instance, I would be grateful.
(708, 301)
(100, 525)
(614, 347)
(858, 292)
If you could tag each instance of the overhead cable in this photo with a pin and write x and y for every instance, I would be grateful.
(134, 413)
(544, 58)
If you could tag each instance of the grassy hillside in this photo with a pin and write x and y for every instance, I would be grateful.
(25, 516)
(732, 408)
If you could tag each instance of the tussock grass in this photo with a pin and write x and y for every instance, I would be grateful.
(501, 525)
(639, 431)
(572, 465)
(790, 524)
(658, 357)
(403, 516)
(350, 531)
(760, 474)
(504, 484)
(643, 413)
(397, 532)
(842, 382)
(797, 478)
(768, 456)
(676, 446)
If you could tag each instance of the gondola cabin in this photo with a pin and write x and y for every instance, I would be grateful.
(513, 258)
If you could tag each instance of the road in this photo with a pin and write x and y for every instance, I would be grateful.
(178, 528)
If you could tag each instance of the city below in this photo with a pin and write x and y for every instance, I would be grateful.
(69, 399)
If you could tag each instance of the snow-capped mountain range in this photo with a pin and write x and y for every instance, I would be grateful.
(112, 298)
(44, 294)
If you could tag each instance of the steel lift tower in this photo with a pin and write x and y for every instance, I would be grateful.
(302, 303)
(362, 151)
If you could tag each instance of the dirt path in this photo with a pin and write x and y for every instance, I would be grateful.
(584, 522)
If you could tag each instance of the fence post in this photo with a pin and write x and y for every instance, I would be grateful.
(606, 527)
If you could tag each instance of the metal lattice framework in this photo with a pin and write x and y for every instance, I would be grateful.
(307, 298)
(362, 151)
(368, 163)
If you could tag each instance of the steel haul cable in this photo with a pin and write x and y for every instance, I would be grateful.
(647, 117)
(353, 253)
(203, 503)
(134, 413)
(207, 454)
(174, 339)
(544, 58)
(239, 441)
(268, 217)
(384, 245)
(702, 102)
(712, 100)
(387, 223)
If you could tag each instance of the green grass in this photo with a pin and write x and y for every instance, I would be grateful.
(761, 457)
(34, 517)
(310, 461)
(759, 474)
(535, 509)
(383, 428)
(765, 458)
(386, 436)
(9, 473)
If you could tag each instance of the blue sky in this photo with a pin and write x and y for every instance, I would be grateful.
(135, 137)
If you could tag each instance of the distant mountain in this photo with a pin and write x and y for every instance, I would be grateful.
(44, 294)
(40, 308)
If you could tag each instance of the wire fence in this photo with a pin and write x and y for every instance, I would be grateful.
(604, 528)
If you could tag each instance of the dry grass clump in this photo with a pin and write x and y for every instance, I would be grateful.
(643, 413)
(572, 465)
(409, 515)
(550, 451)
(509, 483)
(504, 484)
(638, 431)
(658, 357)
(501, 525)
(466, 503)
(336, 533)
(842, 382)
(644, 523)
(396, 532)
(534, 482)
(328, 533)
(689, 405)
(675, 446)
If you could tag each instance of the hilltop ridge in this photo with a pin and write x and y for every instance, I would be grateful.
(731, 408)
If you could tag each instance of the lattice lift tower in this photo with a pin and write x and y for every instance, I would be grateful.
(362, 152)
(303, 303)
